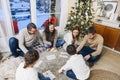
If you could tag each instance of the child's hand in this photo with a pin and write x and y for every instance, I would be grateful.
(62, 71)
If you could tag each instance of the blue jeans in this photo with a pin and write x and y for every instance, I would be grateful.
(71, 74)
(13, 44)
(87, 50)
(41, 77)
(59, 43)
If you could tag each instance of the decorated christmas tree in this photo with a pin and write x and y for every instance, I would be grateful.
(80, 15)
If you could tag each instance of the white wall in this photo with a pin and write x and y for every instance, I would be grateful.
(65, 9)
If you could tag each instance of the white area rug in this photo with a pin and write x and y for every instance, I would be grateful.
(8, 68)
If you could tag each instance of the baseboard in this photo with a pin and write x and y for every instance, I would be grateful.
(112, 49)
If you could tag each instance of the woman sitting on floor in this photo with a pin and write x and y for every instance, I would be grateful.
(72, 37)
(50, 38)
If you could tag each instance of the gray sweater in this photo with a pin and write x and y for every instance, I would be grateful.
(25, 39)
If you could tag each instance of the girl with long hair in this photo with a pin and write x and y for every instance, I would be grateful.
(50, 38)
(72, 37)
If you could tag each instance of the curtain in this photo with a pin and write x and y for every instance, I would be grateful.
(64, 14)
(6, 29)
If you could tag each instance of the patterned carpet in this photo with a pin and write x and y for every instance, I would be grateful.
(107, 68)
(9, 65)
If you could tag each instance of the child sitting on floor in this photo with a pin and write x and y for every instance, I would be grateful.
(26, 70)
(75, 67)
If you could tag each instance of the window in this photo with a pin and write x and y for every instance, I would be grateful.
(21, 14)
(47, 11)
(20, 10)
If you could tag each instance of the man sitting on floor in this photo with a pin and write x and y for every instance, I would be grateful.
(94, 41)
(28, 38)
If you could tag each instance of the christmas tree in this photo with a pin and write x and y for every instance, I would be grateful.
(80, 15)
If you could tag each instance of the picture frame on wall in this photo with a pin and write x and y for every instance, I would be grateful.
(109, 9)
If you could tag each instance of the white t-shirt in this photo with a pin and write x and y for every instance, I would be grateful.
(77, 64)
(26, 73)
(68, 40)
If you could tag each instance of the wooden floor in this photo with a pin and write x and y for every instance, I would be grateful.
(110, 61)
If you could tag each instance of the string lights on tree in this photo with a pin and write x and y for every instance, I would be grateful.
(80, 15)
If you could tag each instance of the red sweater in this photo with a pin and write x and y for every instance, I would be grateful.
(53, 20)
